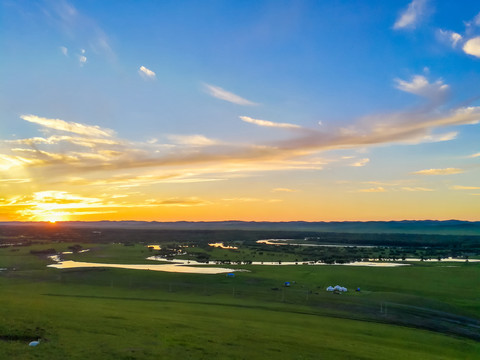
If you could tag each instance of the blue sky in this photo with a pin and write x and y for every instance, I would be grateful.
(334, 110)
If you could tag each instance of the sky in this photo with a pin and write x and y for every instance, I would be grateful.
(239, 110)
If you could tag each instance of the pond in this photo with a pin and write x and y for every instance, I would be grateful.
(173, 267)
(221, 245)
(295, 242)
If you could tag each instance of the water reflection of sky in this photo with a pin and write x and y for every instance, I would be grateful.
(289, 242)
(222, 245)
(172, 267)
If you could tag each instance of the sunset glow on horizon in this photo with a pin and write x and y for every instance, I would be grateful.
(256, 111)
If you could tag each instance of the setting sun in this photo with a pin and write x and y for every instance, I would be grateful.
(53, 218)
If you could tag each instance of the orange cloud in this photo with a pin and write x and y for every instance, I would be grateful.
(447, 171)
(373, 190)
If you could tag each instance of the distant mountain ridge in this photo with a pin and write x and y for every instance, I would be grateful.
(450, 227)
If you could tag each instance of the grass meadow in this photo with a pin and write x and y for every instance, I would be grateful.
(423, 311)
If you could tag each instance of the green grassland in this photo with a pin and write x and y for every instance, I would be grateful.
(423, 311)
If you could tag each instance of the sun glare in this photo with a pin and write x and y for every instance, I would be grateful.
(53, 218)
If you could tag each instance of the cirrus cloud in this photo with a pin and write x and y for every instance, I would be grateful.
(446, 171)
(72, 127)
(267, 123)
(361, 162)
(223, 94)
(460, 187)
(417, 188)
(373, 190)
(193, 140)
(287, 190)
(410, 17)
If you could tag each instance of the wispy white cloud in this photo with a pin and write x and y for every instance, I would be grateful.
(242, 199)
(373, 190)
(474, 155)
(287, 190)
(180, 202)
(146, 73)
(361, 162)
(82, 59)
(193, 140)
(446, 171)
(14, 181)
(267, 123)
(392, 187)
(417, 189)
(449, 36)
(38, 156)
(410, 17)
(431, 138)
(64, 50)
(472, 47)
(455, 38)
(85, 141)
(476, 19)
(62, 125)
(79, 27)
(460, 187)
(419, 85)
(189, 180)
(474, 22)
(441, 137)
(247, 199)
(223, 94)
(380, 183)
(8, 162)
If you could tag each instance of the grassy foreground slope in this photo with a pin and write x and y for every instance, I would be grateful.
(117, 324)
(133, 314)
